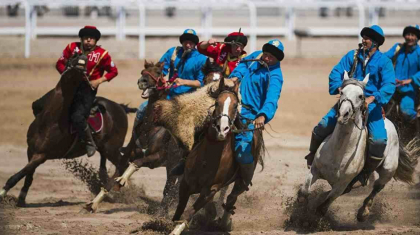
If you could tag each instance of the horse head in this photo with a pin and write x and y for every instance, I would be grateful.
(74, 74)
(77, 61)
(225, 111)
(151, 79)
(352, 98)
(212, 71)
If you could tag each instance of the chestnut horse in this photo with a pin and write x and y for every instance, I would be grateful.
(49, 136)
(211, 166)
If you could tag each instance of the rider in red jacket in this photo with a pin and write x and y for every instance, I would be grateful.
(98, 62)
(226, 55)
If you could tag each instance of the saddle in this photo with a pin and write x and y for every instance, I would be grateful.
(95, 120)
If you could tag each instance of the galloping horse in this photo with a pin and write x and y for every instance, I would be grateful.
(49, 136)
(159, 148)
(404, 127)
(342, 154)
(211, 164)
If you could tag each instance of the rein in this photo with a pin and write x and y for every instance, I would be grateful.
(166, 85)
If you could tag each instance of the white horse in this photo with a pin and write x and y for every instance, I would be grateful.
(341, 156)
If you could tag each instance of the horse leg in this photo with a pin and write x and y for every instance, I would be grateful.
(304, 191)
(229, 207)
(122, 181)
(34, 161)
(336, 191)
(384, 177)
(220, 200)
(168, 192)
(103, 174)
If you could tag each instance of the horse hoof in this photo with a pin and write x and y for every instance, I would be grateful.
(21, 203)
(87, 209)
(362, 215)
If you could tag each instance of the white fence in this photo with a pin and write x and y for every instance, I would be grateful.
(206, 9)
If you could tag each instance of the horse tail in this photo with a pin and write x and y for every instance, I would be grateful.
(259, 148)
(407, 161)
(128, 109)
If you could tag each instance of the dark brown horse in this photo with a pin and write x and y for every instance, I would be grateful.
(152, 145)
(49, 136)
(211, 165)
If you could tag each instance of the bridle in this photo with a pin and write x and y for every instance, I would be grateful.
(362, 107)
(165, 84)
(214, 119)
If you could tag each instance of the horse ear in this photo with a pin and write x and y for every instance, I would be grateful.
(222, 84)
(346, 75)
(147, 64)
(366, 79)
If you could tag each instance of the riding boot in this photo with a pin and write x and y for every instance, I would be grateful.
(316, 141)
(87, 139)
(370, 166)
(179, 168)
(247, 172)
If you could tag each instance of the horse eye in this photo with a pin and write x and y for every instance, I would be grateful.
(360, 96)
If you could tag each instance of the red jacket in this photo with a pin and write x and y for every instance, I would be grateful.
(221, 55)
(97, 56)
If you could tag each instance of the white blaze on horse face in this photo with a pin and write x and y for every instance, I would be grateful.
(224, 120)
(216, 76)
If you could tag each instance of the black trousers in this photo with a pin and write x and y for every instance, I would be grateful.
(79, 109)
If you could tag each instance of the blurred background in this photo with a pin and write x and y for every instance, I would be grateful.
(145, 29)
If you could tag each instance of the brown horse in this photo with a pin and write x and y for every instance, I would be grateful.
(152, 145)
(49, 136)
(211, 165)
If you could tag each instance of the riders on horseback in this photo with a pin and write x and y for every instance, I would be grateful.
(98, 61)
(406, 61)
(260, 86)
(379, 90)
(227, 54)
(183, 65)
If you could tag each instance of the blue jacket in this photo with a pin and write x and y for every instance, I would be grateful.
(190, 69)
(406, 66)
(381, 75)
(260, 89)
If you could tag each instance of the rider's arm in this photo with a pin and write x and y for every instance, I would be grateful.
(416, 76)
(387, 89)
(272, 97)
(109, 67)
(61, 62)
(212, 51)
(337, 73)
(242, 69)
(166, 58)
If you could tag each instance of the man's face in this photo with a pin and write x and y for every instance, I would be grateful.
(269, 59)
(188, 45)
(410, 39)
(89, 42)
(367, 42)
(237, 49)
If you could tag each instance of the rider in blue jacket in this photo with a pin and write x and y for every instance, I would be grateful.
(260, 88)
(406, 61)
(378, 91)
(182, 63)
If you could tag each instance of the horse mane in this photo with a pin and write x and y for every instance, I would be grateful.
(186, 114)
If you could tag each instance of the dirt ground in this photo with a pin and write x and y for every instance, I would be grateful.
(56, 197)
